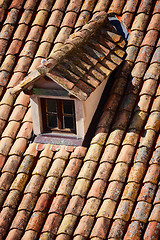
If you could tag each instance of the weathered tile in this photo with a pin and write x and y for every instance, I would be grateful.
(93, 153)
(152, 72)
(87, 170)
(75, 205)
(100, 228)
(109, 154)
(5, 145)
(115, 137)
(119, 172)
(114, 190)
(81, 187)
(135, 230)
(4, 111)
(91, 207)
(57, 168)
(25, 130)
(154, 23)
(149, 87)
(50, 185)
(126, 154)
(67, 224)
(152, 231)
(107, 209)
(45, 5)
(140, 23)
(97, 189)
(137, 172)
(19, 182)
(152, 174)
(11, 164)
(14, 233)
(35, 33)
(19, 147)
(153, 121)
(147, 193)
(20, 220)
(150, 38)
(155, 214)
(104, 171)
(117, 229)
(141, 212)
(42, 166)
(59, 204)
(84, 227)
(28, 202)
(11, 129)
(36, 221)
(144, 103)
(148, 138)
(34, 184)
(131, 138)
(66, 186)
(139, 69)
(12, 199)
(6, 218)
(156, 104)
(72, 168)
(135, 38)
(124, 210)
(15, 47)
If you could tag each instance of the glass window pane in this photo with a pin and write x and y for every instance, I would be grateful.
(51, 105)
(52, 121)
(68, 122)
(68, 107)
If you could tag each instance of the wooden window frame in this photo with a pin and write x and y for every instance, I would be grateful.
(60, 116)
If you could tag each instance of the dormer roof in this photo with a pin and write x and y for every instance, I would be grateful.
(83, 61)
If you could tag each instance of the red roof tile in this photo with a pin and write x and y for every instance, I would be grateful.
(109, 189)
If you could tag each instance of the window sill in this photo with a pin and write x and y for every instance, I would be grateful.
(59, 139)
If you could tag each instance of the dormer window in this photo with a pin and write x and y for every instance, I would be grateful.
(67, 87)
(58, 115)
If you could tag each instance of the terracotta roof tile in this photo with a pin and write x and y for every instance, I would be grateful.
(131, 191)
(15, 233)
(83, 18)
(55, 19)
(117, 229)
(100, 228)
(5, 145)
(147, 193)
(110, 153)
(45, 5)
(120, 144)
(119, 172)
(154, 23)
(52, 224)
(6, 216)
(35, 34)
(67, 224)
(27, 203)
(34, 185)
(155, 213)
(153, 231)
(135, 230)
(66, 186)
(107, 209)
(114, 190)
(11, 164)
(104, 171)
(137, 172)
(75, 205)
(116, 7)
(21, 220)
(84, 226)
